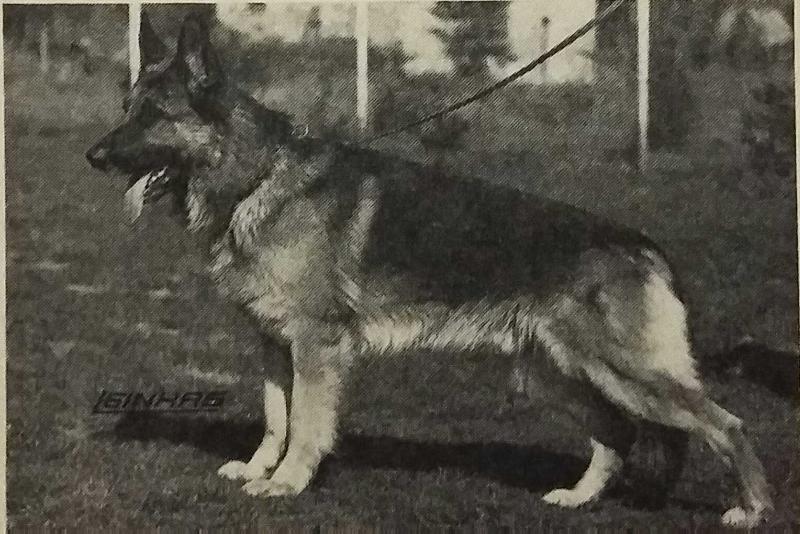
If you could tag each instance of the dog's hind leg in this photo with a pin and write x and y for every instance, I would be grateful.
(651, 375)
(724, 433)
(675, 405)
(277, 387)
(677, 399)
(667, 449)
(612, 435)
(695, 413)
(604, 465)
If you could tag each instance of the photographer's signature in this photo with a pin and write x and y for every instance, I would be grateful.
(161, 402)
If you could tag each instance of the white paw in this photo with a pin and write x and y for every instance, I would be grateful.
(235, 470)
(566, 498)
(738, 517)
(270, 488)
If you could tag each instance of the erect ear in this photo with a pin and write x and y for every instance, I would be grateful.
(152, 48)
(199, 64)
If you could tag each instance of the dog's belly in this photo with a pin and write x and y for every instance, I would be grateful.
(482, 325)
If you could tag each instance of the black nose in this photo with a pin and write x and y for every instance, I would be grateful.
(98, 157)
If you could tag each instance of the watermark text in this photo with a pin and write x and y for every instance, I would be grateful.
(161, 402)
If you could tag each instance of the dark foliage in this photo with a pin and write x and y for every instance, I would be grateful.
(768, 129)
(479, 31)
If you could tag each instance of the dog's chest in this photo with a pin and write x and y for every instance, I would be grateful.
(284, 272)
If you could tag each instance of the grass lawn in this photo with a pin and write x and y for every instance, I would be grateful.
(94, 304)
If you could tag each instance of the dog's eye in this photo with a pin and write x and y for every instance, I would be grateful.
(150, 111)
(166, 109)
(170, 107)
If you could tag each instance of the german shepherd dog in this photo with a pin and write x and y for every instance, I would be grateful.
(340, 252)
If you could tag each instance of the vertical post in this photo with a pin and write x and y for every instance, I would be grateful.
(796, 119)
(44, 45)
(134, 25)
(362, 77)
(544, 43)
(643, 74)
(3, 393)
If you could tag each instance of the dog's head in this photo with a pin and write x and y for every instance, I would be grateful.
(177, 117)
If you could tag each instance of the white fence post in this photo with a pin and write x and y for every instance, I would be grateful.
(544, 44)
(134, 24)
(362, 77)
(643, 72)
(44, 46)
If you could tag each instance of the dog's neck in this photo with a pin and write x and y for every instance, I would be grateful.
(251, 185)
(214, 191)
(258, 140)
(250, 122)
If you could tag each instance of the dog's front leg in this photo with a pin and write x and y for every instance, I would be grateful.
(320, 356)
(277, 388)
(271, 448)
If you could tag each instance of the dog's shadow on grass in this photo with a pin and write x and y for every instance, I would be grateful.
(530, 467)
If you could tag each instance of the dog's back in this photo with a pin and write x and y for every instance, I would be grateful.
(505, 242)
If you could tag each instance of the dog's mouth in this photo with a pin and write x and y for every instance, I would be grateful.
(145, 189)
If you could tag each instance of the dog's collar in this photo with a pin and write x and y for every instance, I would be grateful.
(300, 131)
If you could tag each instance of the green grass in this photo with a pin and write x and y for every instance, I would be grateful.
(424, 440)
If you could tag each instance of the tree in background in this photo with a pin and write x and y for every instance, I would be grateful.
(477, 31)
(168, 18)
(28, 24)
(53, 31)
(313, 26)
(619, 30)
(671, 103)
